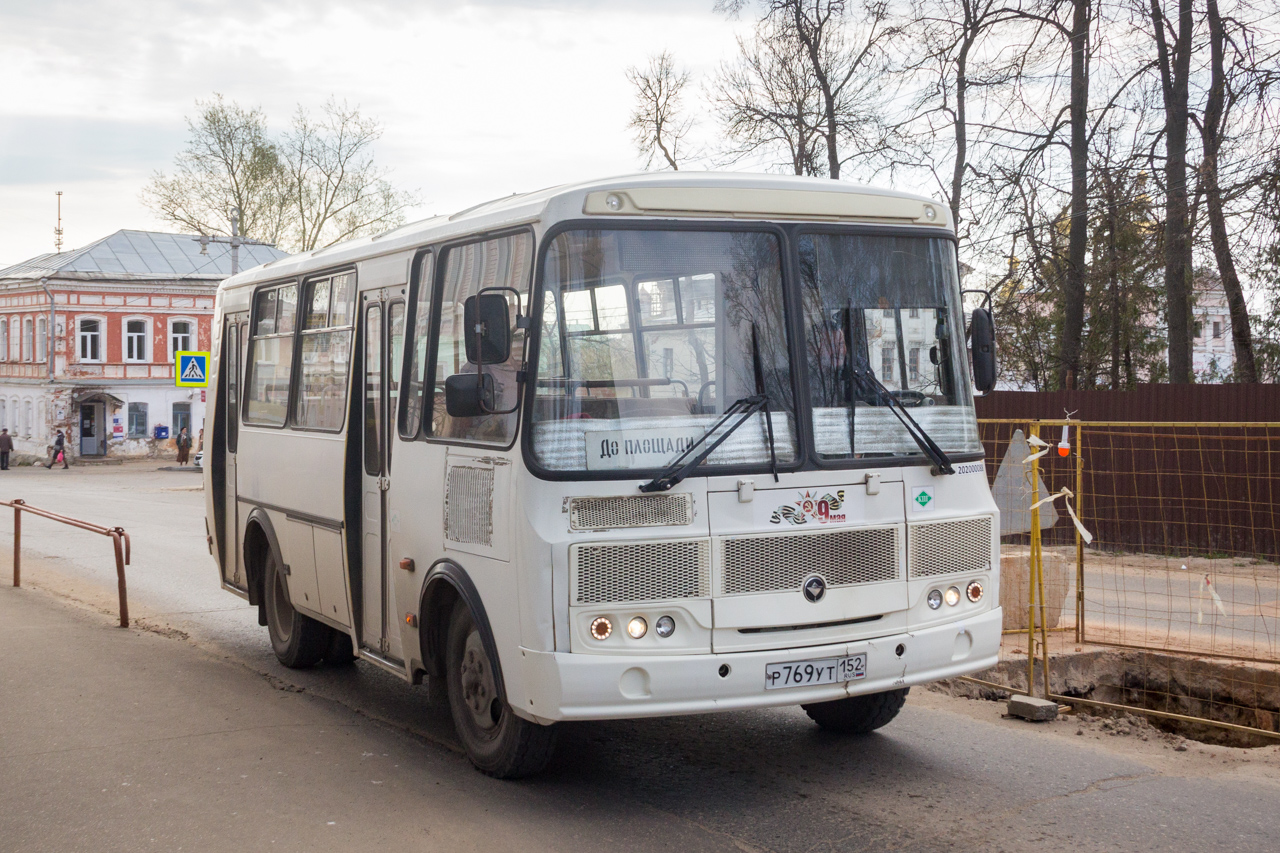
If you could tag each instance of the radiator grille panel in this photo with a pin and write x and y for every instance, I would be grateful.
(843, 558)
(630, 511)
(641, 572)
(950, 547)
(468, 505)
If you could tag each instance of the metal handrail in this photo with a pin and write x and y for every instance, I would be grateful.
(119, 540)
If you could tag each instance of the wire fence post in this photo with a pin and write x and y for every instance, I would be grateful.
(1033, 562)
(17, 543)
(1079, 538)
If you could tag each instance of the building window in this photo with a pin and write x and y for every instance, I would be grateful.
(886, 364)
(181, 419)
(913, 364)
(42, 339)
(4, 414)
(137, 420)
(1217, 329)
(90, 339)
(888, 312)
(4, 340)
(914, 314)
(135, 340)
(180, 332)
(26, 339)
(15, 339)
(30, 418)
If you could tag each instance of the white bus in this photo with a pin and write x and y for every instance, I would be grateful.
(657, 445)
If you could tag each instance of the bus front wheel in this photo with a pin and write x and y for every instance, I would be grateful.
(298, 641)
(858, 715)
(499, 743)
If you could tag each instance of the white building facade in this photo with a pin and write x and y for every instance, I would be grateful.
(87, 342)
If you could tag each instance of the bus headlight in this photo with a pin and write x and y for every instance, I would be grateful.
(601, 628)
(952, 596)
(974, 591)
(637, 627)
(934, 599)
(665, 626)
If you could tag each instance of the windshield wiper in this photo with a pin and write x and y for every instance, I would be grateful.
(742, 408)
(884, 396)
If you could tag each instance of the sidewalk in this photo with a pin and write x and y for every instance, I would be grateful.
(115, 739)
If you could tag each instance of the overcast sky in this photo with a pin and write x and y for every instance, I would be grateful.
(478, 99)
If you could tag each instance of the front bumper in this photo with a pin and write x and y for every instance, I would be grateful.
(565, 686)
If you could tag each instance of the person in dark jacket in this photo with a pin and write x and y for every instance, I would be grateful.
(6, 447)
(59, 450)
(184, 446)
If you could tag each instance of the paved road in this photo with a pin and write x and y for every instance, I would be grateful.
(190, 736)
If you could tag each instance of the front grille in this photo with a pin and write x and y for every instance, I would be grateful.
(468, 505)
(630, 511)
(950, 547)
(844, 557)
(649, 571)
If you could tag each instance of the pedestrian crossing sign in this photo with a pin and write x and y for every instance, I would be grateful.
(192, 369)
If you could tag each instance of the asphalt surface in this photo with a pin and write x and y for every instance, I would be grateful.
(184, 733)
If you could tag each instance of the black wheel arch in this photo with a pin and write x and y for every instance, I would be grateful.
(259, 540)
(446, 583)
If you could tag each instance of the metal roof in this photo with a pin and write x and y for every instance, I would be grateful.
(140, 256)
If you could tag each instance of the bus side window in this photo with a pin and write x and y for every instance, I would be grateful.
(271, 356)
(321, 401)
(500, 262)
(416, 370)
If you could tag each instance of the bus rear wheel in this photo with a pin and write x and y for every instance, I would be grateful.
(298, 641)
(858, 715)
(499, 743)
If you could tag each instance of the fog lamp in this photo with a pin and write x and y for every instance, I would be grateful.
(952, 596)
(665, 626)
(601, 628)
(974, 591)
(934, 599)
(637, 627)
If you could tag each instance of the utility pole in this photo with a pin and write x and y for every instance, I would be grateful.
(57, 231)
(235, 241)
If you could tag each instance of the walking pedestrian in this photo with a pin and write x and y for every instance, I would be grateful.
(6, 447)
(58, 452)
(184, 446)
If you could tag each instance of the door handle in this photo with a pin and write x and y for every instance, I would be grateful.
(384, 483)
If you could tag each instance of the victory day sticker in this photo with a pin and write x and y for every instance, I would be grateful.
(808, 508)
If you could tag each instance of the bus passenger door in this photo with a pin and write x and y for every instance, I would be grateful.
(232, 367)
(383, 337)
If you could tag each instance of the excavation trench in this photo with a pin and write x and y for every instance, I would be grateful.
(1241, 694)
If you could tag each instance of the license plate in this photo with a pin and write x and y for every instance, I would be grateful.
(806, 673)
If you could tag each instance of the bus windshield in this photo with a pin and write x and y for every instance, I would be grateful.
(648, 337)
(883, 319)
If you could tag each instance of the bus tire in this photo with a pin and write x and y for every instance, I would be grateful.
(298, 641)
(339, 651)
(858, 715)
(497, 742)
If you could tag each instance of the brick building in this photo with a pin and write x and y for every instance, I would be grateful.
(87, 340)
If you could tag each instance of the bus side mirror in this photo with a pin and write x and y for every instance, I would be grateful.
(468, 395)
(487, 328)
(982, 336)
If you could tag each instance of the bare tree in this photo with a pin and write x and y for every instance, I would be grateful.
(229, 162)
(658, 118)
(316, 185)
(335, 190)
(1173, 55)
(1230, 86)
(847, 47)
(768, 101)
